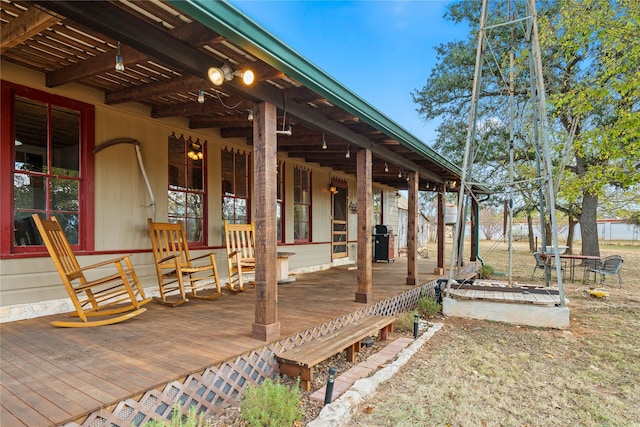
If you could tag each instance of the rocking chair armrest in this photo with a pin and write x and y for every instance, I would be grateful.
(234, 254)
(200, 257)
(77, 273)
(165, 259)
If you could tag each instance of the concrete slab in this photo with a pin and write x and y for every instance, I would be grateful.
(518, 314)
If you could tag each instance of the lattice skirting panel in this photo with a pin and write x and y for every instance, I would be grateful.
(219, 387)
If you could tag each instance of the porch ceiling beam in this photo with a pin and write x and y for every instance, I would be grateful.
(215, 122)
(159, 88)
(147, 39)
(92, 66)
(236, 132)
(28, 24)
(210, 106)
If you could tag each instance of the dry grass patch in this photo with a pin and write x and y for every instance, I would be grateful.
(479, 373)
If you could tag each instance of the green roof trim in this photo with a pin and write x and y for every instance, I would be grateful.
(231, 23)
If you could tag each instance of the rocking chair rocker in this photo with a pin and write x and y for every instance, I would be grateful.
(115, 297)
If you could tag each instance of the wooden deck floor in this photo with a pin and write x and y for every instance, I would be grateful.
(50, 376)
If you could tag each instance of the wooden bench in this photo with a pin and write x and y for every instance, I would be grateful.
(299, 361)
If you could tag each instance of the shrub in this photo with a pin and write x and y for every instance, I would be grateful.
(404, 322)
(486, 271)
(191, 420)
(427, 307)
(272, 404)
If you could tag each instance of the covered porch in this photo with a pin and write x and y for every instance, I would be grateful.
(202, 353)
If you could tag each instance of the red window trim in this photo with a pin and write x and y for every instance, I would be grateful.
(8, 91)
(309, 221)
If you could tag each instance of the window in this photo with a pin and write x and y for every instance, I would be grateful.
(280, 204)
(46, 168)
(301, 204)
(235, 187)
(187, 193)
(377, 207)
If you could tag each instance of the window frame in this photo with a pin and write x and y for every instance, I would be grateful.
(189, 167)
(297, 170)
(86, 182)
(280, 202)
(223, 193)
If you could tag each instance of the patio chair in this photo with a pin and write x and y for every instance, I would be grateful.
(608, 266)
(113, 297)
(543, 263)
(240, 242)
(178, 276)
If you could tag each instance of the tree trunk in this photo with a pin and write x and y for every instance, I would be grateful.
(589, 225)
(571, 233)
(532, 243)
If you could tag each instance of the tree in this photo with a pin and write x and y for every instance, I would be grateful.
(591, 60)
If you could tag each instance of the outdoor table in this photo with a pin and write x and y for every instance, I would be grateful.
(572, 261)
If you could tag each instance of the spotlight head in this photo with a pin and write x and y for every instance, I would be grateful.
(247, 76)
(216, 75)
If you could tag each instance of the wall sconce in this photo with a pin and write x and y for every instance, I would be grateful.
(399, 173)
(195, 150)
(348, 155)
(250, 115)
(219, 75)
(324, 142)
(201, 96)
(386, 167)
(333, 189)
(353, 208)
(119, 61)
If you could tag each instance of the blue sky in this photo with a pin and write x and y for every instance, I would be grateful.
(380, 50)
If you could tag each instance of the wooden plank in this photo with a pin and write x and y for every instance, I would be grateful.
(16, 413)
(509, 297)
(21, 394)
(165, 344)
(518, 297)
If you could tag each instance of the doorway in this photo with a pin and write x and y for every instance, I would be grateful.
(339, 220)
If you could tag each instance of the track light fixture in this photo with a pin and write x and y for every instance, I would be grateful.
(324, 142)
(399, 173)
(119, 61)
(219, 75)
(201, 96)
(348, 155)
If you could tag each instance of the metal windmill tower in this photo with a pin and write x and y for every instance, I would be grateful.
(540, 137)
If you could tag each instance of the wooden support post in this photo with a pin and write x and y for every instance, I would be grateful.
(474, 229)
(266, 326)
(441, 229)
(364, 292)
(412, 231)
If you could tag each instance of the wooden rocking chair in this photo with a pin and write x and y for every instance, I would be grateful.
(175, 267)
(115, 297)
(240, 253)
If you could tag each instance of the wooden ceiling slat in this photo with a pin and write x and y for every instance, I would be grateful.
(158, 88)
(211, 106)
(25, 26)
